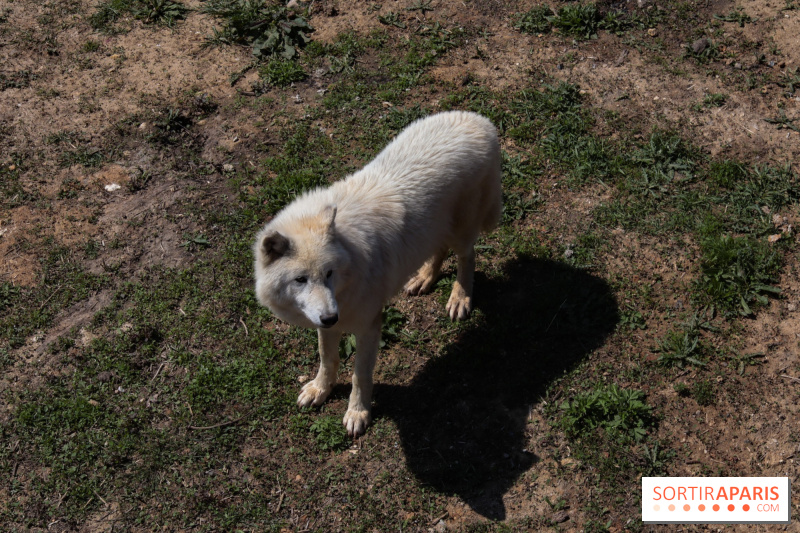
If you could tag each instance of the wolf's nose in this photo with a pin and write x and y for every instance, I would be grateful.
(329, 320)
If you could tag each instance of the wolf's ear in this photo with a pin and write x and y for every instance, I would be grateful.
(328, 217)
(274, 246)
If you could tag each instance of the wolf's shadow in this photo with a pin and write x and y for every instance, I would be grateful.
(462, 419)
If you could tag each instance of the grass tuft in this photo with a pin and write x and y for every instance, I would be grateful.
(737, 274)
(621, 412)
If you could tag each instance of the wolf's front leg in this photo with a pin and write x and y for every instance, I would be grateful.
(358, 416)
(316, 391)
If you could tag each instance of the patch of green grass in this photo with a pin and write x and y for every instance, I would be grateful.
(665, 154)
(583, 252)
(12, 193)
(280, 72)
(520, 197)
(88, 157)
(63, 282)
(90, 46)
(329, 433)
(302, 165)
(621, 413)
(727, 174)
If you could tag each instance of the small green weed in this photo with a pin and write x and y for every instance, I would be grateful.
(736, 15)
(679, 348)
(392, 19)
(703, 392)
(622, 413)
(329, 433)
(737, 273)
(631, 318)
(665, 153)
(790, 79)
(684, 346)
(422, 6)
(577, 20)
(534, 21)
(656, 459)
(268, 28)
(711, 100)
(162, 12)
(90, 46)
(784, 122)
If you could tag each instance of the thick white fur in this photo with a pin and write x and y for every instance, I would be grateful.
(347, 249)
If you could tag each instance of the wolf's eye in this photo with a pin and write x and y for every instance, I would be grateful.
(329, 274)
(301, 279)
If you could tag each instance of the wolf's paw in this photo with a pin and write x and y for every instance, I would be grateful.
(356, 421)
(420, 284)
(313, 394)
(459, 305)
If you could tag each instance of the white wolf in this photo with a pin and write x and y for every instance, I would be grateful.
(332, 258)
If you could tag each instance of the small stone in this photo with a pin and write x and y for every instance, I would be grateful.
(302, 379)
(227, 167)
(559, 517)
(652, 32)
(700, 45)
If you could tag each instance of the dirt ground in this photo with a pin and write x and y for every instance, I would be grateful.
(57, 98)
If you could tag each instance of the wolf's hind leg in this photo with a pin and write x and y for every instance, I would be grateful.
(459, 305)
(425, 278)
(316, 391)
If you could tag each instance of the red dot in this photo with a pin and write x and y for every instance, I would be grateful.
(716, 507)
(731, 507)
(746, 507)
(701, 507)
(687, 507)
(671, 507)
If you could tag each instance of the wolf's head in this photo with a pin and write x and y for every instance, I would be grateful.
(298, 262)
